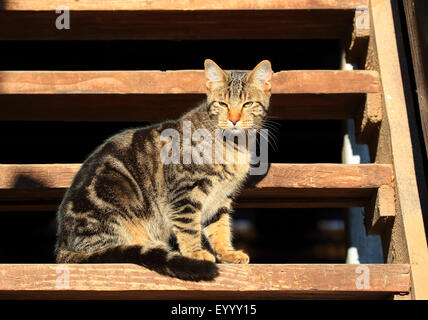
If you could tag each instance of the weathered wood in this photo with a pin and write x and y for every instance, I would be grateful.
(154, 95)
(380, 215)
(129, 281)
(177, 82)
(118, 5)
(416, 26)
(115, 19)
(41, 186)
(357, 43)
(407, 238)
(369, 121)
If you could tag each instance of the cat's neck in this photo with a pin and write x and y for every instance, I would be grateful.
(199, 118)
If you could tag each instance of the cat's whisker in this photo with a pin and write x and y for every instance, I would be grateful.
(270, 139)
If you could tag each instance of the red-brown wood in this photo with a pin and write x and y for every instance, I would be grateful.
(40, 187)
(235, 282)
(406, 240)
(117, 5)
(155, 95)
(177, 82)
(182, 19)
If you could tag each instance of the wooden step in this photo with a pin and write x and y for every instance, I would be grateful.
(39, 187)
(154, 95)
(181, 19)
(264, 281)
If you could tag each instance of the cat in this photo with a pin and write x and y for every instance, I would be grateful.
(125, 205)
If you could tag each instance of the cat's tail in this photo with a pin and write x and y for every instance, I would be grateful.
(157, 259)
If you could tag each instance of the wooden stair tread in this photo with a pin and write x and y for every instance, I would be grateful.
(117, 5)
(184, 19)
(257, 281)
(178, 82)
(154, 95)
(41, 186)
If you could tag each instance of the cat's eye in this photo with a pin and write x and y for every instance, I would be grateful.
(247, 104)
(223, 104)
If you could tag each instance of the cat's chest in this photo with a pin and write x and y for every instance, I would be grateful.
(222, 188)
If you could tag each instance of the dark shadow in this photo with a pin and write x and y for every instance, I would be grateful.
(168, 54)
(28, 237)
(27, 182)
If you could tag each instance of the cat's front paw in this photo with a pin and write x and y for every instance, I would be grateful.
(201, 255)
(234, 256)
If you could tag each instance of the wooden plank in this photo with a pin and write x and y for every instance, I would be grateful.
(357, 42)
(185, 19)
(177, 82)
(368, 122)
(380, 215)
(154, 95)
(407, 242)
(127, 281)
(117, 5)
(41, 186)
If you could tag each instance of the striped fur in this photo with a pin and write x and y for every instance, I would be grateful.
(125, 205)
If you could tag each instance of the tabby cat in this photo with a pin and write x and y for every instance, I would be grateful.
(125, 204)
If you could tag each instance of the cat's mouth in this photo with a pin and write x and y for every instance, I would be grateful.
(239, 129)
(235, 129)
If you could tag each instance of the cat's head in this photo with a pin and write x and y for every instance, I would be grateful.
(238, 100)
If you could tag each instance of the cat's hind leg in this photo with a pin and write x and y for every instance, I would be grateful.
(137, 246)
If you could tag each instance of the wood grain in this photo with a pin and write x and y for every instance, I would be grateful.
(128, 281)
(164, 19)
(417, 30)
(156, 95)
(41, 186)
(407, 238)
(368, 121)
(356, 44)
(177, 82)
(102, 5)
(380, 215)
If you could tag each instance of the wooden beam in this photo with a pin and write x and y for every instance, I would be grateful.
(154, 95)
(177, 82)
(118, 5)
(407, 238)
(184, 19)
(41, 186)
(368, 121)
(380, 215)
(127, 281)
(358, 40)
(417, 30)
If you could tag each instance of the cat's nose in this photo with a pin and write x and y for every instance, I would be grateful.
(234, 115)
(234, 120)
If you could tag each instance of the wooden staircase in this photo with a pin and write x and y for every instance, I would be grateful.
(372, 96)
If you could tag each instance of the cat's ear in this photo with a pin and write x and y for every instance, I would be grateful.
(213, 73)
(261, 75)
